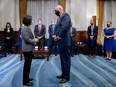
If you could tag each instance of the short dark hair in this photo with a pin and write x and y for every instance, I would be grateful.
(27, 19)
(39, 19)
(110, 22)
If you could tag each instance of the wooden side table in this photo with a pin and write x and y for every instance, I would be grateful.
(81, 48)
(43, 51)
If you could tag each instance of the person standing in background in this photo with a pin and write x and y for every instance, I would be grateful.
(19, 32)
(63, 38)
(109, 34)
(51, 31)
(8, 36)
(28, 45)
(73, 33)
(92, 33)
(40, 31)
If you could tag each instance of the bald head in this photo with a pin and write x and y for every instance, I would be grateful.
(52, 21)
(58, 7)
(58, 10)
(92, 22)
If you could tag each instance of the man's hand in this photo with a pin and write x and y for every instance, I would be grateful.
(53, 36)
(39, 37)
(91, 37)
(8, 38)
(71, 35)
(56, 38)
(36, 39)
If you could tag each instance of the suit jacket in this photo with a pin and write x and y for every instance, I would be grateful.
(28, 42)
(50, 30)
(74, 33)
(41, 33)
(95, 32)
(62, 30)
(8, 34)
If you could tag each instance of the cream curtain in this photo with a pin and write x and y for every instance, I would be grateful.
(81, 12)
(42, 9)
(9, 12)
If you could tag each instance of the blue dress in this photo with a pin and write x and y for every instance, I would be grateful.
(109, 42)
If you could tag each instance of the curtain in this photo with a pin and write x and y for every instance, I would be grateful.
(22, 9)
(100, 15)
(63, 3)
(9, 12)
(108, 13)
(81, 12)
(42, 9)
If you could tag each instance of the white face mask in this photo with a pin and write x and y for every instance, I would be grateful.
(53, 23)
(40, 22)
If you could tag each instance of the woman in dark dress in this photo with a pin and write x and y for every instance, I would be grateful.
(109, 34)
(8, 36)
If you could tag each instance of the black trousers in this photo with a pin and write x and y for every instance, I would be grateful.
(8, 45)
(52, 46)
(92, 46)
(73, 46)
(65, 61)
(27, 66)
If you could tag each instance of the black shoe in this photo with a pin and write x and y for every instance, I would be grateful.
(30, 79)
(63, 81)
(28, 84)
(59, 77)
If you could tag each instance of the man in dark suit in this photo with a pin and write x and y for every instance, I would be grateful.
(51, 31)
(92, 38)
(63, 38)
(73, 34)
(39, 32)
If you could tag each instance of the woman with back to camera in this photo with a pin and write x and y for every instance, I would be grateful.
(28, 44)
(109, 34)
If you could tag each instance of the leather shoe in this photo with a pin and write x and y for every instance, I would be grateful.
(30, 79)
(28, 84)
(63, 81)
(59, 77)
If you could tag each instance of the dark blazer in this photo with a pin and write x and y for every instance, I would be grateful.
(50, 30)
(95, 32)
(74, 33)
(8, 34)
(42, 33)
(62, 30)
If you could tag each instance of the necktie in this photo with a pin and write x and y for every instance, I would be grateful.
(92, 30)
(39, 27)
(71, 30)
(53, 28)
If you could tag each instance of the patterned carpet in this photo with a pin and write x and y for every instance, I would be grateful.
(85, 72)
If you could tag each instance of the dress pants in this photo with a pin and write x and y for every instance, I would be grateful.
(27, 66)
(65, 61)
(92, 47)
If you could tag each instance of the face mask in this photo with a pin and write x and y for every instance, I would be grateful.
(57, 13)
(40, 22)
(108, 25)
(53, 23)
